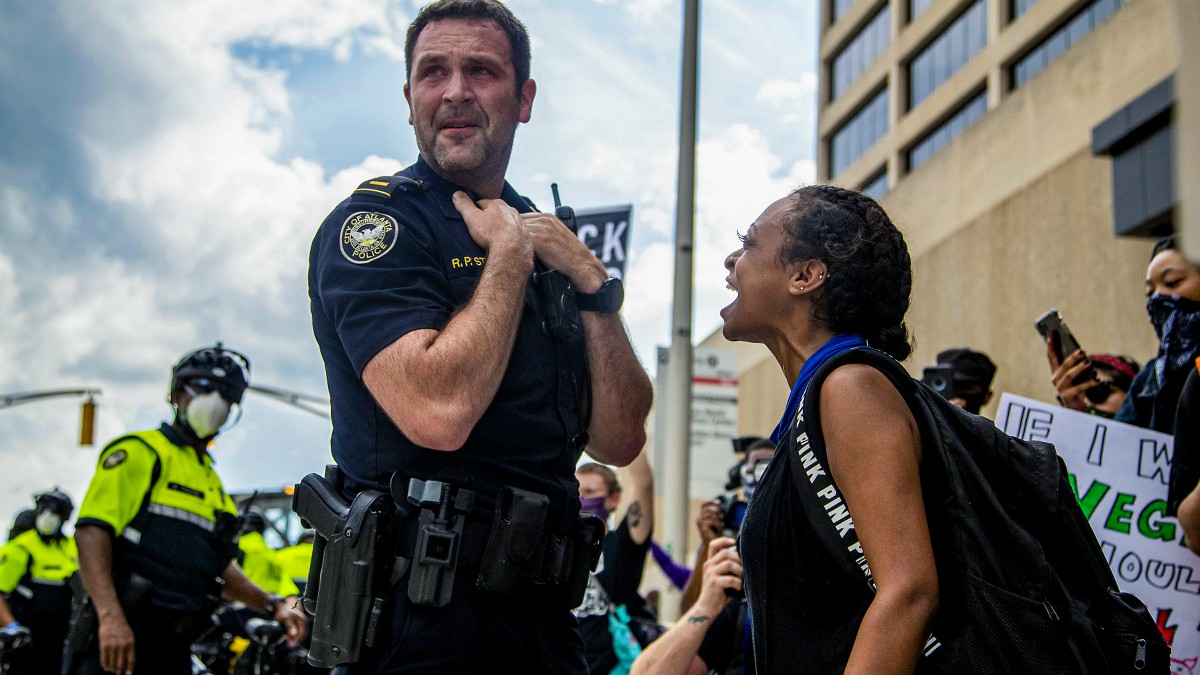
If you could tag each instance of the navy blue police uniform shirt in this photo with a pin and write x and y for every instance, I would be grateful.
(381, 268)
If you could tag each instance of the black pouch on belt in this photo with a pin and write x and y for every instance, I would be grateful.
(583, 552)
(517, 540)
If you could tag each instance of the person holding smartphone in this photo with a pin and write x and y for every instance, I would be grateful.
(1103, 394)
(1173, 306)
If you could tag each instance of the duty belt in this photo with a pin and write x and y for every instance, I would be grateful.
(546, 561)
(361, 541)
(471, 545)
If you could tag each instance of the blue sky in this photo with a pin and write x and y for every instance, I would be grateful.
(163, 167)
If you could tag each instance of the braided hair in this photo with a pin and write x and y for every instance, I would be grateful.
(869, 282)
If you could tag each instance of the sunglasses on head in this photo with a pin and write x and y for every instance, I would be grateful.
(1099, 393)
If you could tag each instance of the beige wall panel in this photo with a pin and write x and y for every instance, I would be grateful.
(1050, 244)
(1038, 127)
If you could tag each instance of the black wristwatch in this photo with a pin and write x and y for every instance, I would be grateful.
(607, 300)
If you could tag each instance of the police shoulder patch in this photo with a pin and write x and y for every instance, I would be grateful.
(367, 236)
(115, 459)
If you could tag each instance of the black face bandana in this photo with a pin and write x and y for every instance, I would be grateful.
(1176, 322)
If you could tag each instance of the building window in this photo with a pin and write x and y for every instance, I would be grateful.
(1018, 7)
(948, 52)
(877, 186)
(838, 9)
(861, 52)
(1062, 39)
(915, 7)
(955, 124)
(859, 133)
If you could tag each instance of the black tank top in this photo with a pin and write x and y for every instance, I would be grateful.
(805, 607)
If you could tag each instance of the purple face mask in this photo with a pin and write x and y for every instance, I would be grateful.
(594, 506)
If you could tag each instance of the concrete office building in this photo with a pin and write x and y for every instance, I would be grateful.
(1024, 149)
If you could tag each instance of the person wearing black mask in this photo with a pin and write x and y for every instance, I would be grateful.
(1173, 289)
(615, 582)
(973, 374)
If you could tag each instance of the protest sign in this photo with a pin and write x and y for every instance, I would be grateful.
(1120, 473)
(606, 232)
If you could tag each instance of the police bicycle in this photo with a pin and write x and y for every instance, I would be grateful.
(10, 641)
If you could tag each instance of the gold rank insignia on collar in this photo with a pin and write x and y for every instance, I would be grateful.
(383, 188)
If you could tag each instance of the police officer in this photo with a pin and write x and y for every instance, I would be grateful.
(34, 568)
(22, 523)
(260, 562)
(157, 532)
(454, 355)
(297, 558)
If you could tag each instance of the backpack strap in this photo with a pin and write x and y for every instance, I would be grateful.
(809, 463)
(806, 455)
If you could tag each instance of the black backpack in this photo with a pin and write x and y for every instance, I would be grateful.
(1024, 585)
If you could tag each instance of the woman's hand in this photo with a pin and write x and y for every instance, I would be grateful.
(1063, 375)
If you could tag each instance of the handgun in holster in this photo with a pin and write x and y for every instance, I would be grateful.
(347, 576)
(434, 563)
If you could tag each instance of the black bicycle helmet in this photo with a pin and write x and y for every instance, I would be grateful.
(57, 501)
(229, 368)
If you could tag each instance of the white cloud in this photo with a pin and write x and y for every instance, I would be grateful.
(642, 11)
(787, 92)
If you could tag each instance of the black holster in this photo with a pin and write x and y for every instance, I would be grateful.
(346, 579)
(440, 523)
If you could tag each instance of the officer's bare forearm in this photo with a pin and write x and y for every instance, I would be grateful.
(621, 392)
(435, 385)
(6, 616)
(95, 546)
(239, 588)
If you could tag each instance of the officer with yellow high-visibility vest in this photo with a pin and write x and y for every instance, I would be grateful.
(157, 533)
(297, 558)
(22, 523)
(259, 561)
(34, 568)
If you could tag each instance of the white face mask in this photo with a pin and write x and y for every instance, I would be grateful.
(48, 523)
(206, 413)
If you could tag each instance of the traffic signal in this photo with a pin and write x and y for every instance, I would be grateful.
(87, 424)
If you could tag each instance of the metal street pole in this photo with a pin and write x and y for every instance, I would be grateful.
(679, 397)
